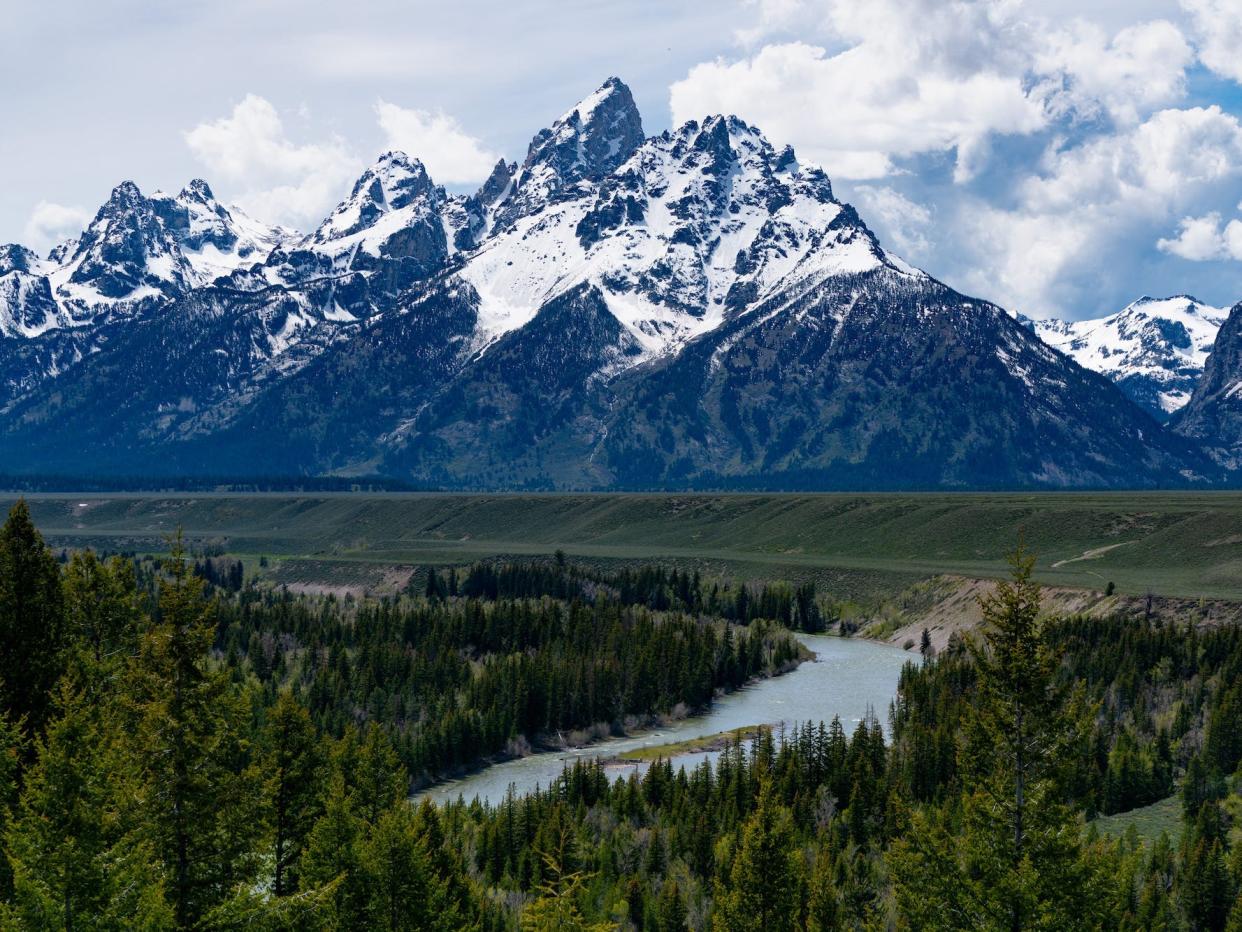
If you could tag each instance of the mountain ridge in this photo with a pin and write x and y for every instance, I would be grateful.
(618, 311)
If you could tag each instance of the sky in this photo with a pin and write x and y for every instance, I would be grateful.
(1057, 157)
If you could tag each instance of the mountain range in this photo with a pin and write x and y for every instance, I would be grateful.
(694, 309)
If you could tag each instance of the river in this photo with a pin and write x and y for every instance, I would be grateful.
(847, 677)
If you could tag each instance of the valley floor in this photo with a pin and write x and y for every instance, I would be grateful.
(861, 547)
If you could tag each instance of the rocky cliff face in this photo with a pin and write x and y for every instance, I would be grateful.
(1213, 416)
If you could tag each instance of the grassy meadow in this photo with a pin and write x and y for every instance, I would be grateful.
(1186, 545)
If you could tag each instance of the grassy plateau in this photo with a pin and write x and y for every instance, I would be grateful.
(1187, 545)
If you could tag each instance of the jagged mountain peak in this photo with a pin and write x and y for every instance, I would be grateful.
(608, 113)
(1213, 415)
(587, 142)
(497, 184)
(197, 190)
(17, 258)
(394, 182)
(1155, 349)
(692, 308)
(697, 224)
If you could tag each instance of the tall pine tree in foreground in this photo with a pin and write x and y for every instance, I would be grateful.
(197, 794)
(32, 622)
(761, 885)
(1010, 857)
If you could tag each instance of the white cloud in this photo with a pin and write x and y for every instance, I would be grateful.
(906, 77)
(50, 224)
(1142, 67)
(1200, 239)
(280, 181)
(451, 155)
(855, 111)
(1218, 34)
(903, 221)
(1086, 215)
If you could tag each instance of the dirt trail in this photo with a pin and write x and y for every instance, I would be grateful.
(1093, 554)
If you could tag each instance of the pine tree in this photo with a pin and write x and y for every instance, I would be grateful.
(332, 856)
(12, 743)
(292, 766)
(1013, 860)
(670, 910)
(1206, 888)
(763, 888)
(405, 894)
(101, 610)
(824, 905)
(32, 628)
(196, 795)
(74, 866)
(376, 773)
(556, 909)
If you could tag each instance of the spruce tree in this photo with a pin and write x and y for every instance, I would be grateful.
(1012, 860)
(405, 893)
(32, 628)
(332, 856)
(12, 745)
(670, 910)
(292, 768)
(101, 610)
(75, 866)
(196, 795)
(763, 887)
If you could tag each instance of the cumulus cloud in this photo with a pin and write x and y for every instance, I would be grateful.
(1139, 69)
(1200, 239)
(922, 76)
(1101, 154)
(1085, 215)
(280, 181)
(451, 155)
(50, 224)
(905, 222)
(853, 117)
(915, 76)
(1218, 31)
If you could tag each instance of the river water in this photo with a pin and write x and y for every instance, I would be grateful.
(847, 678)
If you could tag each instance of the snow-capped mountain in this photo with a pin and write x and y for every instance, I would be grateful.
(1213, 416)
(138, 251)
(690, 309)
(1154, 349)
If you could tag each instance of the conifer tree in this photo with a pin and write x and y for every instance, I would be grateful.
(74, 864)
(1013, 860)
(12, 743)
(332, 856)
(32, 627)
(405, 893)
(199, 799)
(101, 609)
(764, 884)
(292, 765)
(671, 910)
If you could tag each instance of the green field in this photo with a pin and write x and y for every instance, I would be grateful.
(1187, 545)
(1150, 822)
